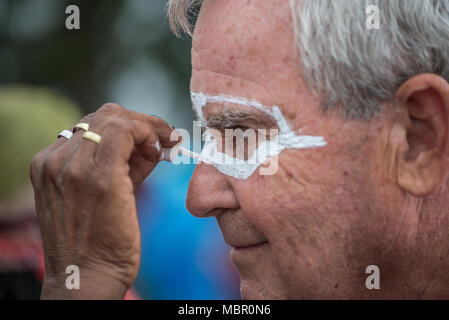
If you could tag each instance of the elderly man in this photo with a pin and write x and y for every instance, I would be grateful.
(375, 193)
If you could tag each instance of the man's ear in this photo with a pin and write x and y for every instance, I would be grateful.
(424, 164)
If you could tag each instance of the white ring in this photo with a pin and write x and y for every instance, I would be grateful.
(66, 134)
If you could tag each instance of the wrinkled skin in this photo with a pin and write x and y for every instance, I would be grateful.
(329, 212)
(374, 195)
(85, 201)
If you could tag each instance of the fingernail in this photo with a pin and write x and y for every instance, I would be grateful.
(157, 146)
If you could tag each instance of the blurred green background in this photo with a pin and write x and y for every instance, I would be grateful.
(124, 52)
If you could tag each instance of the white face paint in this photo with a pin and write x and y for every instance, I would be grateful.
(243, 169)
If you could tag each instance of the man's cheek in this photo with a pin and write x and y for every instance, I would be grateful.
(298, 177)
(267, 200)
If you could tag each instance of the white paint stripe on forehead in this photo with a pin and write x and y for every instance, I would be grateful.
(200, 100)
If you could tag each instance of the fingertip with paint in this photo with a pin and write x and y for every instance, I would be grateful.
(165, 154)
(157, 146)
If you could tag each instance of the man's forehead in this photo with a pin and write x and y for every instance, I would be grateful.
(241, 38)
(214, 92)
(215, 87)
(246, 49)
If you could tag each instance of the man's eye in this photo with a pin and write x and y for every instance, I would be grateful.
(234, 129)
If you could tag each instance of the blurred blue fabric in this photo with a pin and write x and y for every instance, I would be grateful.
(183, 257)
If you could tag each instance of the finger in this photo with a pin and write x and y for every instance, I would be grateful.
(145, 148)
(139, 168)
(167, 136)
(56, 154)
(145, 133)
(119, 144)
(68, 149)
(164, 131)
(119, 137)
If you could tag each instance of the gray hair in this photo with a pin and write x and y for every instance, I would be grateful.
(349, 65)
(181, 14)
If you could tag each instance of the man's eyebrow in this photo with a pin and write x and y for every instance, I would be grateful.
(228, 118)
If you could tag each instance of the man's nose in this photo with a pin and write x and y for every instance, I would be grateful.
(209, 192)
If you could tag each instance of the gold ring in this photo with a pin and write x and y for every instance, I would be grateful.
(81, 125)
(92, 136)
